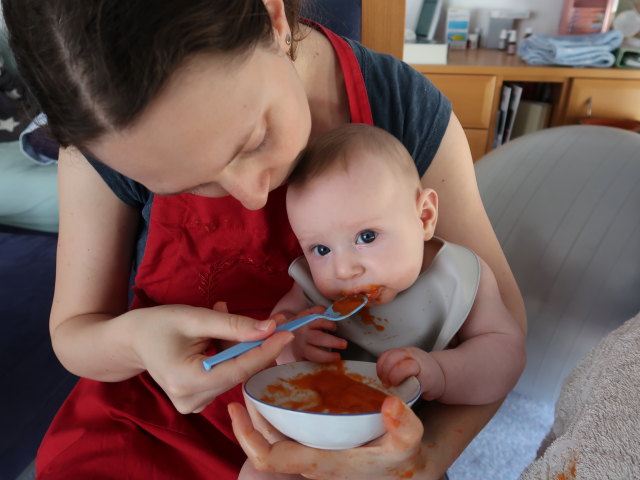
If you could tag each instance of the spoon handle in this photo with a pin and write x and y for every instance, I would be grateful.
(243, 347)
(229, 353)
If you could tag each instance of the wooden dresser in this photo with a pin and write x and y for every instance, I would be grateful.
(473, 80)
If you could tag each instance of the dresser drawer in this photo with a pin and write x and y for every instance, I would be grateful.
(470, 95)
(608, 98)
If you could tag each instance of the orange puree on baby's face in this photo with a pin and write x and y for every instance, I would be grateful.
(334, 391)
(350, 302)
(347, 304)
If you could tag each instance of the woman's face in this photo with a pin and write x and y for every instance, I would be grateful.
(220, 127)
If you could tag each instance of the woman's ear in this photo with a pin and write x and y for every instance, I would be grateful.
(427, 205)
(279, 23)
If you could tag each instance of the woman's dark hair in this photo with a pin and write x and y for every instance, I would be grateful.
(93, 65)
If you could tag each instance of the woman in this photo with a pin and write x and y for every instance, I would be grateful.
(179, 123)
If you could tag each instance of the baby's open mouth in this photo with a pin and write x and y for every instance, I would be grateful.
(372, 292)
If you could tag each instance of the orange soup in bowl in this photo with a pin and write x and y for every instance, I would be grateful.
(330, 389)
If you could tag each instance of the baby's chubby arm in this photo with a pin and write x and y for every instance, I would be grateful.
(481, 369)
(311, 340)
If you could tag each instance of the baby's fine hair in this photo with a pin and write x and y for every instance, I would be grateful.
(94, 65)
(336, 148)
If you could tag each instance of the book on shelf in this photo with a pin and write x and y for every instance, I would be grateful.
(514, 103)
(524, 108)
(532, 115)
(428, 19)
(503, 109)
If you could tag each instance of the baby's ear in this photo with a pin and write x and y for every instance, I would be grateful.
(427, 204)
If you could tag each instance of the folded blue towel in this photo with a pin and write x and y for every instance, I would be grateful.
(592, 50)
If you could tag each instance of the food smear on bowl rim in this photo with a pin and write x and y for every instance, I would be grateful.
(330, 389)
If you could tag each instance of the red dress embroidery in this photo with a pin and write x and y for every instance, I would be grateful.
(199, 251)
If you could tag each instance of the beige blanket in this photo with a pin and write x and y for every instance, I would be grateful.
(596, 433)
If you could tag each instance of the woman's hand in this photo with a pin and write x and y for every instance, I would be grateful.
(397, 454)
(171, 342)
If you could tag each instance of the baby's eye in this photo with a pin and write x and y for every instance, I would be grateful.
(320, 250)
(366, 236)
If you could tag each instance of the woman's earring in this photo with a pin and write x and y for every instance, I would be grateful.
(290, 47)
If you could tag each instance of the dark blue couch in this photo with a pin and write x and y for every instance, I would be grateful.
(34, 384)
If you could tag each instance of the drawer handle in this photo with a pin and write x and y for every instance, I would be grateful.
(589, 103)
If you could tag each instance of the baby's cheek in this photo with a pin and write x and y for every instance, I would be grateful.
(324, 286)
(405, 278)
(388, 296)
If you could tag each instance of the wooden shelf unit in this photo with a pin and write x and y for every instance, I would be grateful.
(473, 80)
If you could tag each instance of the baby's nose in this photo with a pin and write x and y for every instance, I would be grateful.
(347, 267)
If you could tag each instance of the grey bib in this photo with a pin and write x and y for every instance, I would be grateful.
(427, 315)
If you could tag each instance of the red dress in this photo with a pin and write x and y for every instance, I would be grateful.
(199, 251)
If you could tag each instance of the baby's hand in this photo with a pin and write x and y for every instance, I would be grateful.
(398, 364)
(310, 343)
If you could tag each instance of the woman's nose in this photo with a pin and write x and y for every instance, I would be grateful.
(251, 192)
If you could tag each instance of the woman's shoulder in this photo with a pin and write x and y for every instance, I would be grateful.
(130, 192)
(404, 102)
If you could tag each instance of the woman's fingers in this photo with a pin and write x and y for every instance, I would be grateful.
(220, 324)
(251, 440)
(197, 387)
(404, 428)
(260, 452)
(284, 456)
(395, 455)
(268, 431)
(240, 368)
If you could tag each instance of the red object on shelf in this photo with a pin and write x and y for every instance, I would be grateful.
(631, 125)
(586, 16)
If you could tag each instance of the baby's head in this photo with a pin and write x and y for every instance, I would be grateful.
(356, 204)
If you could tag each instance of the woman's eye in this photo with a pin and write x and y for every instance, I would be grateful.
(321, 250)
(262, 144)
(367, 236)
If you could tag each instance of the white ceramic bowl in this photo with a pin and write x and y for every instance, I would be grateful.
(324, 430)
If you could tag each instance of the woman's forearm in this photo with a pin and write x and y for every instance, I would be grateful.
(97, 346)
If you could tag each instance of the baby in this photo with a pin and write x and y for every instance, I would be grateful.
(366, 225)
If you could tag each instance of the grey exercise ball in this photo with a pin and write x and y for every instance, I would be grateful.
(565, 204)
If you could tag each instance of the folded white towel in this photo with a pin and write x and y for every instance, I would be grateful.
(596, 433)
(571, 50)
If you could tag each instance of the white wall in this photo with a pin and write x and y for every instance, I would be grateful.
(544, 14)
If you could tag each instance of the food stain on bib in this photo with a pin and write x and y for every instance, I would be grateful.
(368, 319)
(331, 389)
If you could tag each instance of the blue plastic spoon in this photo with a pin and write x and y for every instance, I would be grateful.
(243, 347)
